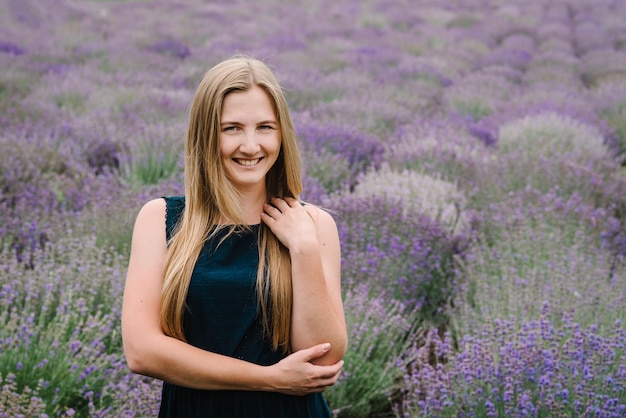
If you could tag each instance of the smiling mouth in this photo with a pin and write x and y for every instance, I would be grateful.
(247, 163)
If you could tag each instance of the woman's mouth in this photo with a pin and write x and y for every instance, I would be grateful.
(247, 162)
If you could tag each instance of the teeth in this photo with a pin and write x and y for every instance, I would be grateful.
(247, 162)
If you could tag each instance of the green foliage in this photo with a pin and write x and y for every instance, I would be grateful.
(380, 335)
(24, 402)
(14, 86)
(474, 107)
(418, 193)
(463, 21)
(300, 99)
(60, 325)
(71, 101)
(541, 255)
(549, 153)
(152, 163)
(331, 170)
(111, 224)
(552, 135)
(520, 368)
(616, 118)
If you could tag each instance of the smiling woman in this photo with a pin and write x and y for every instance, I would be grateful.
(233, 292)
(249, 138)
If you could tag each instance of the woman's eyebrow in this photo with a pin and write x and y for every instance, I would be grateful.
(263, 122)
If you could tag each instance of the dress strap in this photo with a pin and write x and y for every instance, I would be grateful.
(174, 207)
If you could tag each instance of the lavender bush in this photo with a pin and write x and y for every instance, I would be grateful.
(416, 193)
(359, 149)
(330, 170)
(381, 334)
(154, 158)
(610, 98)
(512, 112)
(60, 337)
(529, 369)
(518, 267)
(450, 148)
(548, 150)
(412, 259)
(478, 95)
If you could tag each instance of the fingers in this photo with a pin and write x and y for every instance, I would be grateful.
(288, 201)
(328, 379)
(275, 207)
(330, 372)
(279, 213)
(271, 211)
(305, 377)
(316, 382)
(316, 351)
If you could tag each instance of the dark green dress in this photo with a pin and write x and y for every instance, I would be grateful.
(222, 317)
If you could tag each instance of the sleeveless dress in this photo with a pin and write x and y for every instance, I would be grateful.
(222, 317)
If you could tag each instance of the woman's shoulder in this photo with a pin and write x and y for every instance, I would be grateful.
(320, 215)
(167, 208)
(150, 216)
(160, 212)
(152, 208)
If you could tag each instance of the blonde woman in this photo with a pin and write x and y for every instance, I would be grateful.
(233, 292)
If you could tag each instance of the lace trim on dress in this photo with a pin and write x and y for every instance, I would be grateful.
(174, 207)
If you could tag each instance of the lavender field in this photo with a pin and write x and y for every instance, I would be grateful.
(473, 153)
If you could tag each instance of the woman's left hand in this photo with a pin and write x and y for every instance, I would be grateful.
(291, 222)
(311, 237)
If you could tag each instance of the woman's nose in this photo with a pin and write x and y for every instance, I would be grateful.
(249, 143)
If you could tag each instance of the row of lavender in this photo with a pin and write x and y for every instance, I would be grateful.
(471, 151)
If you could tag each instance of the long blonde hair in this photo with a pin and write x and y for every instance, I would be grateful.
(210, 196)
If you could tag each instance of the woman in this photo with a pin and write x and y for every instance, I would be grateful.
(233, 292)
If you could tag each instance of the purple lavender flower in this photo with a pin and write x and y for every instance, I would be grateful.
(171, 47)
(361, 150)
(413, 256)
(518, 393)
(25, 13)
(11, 48)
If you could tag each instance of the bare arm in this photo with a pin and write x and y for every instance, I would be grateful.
(311, 236)
(150, 352)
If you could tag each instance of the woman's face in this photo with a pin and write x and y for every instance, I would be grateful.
(249, 137)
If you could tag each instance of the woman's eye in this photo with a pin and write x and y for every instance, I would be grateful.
(230, 128)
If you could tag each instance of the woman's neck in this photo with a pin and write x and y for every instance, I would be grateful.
(252, 204)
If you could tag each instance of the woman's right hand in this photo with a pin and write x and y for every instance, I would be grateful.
(298, 376)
